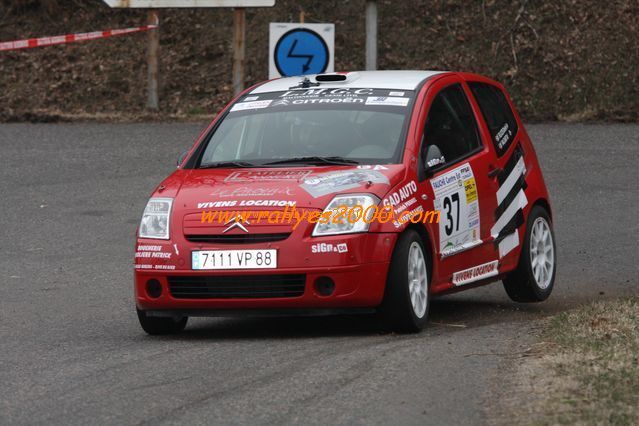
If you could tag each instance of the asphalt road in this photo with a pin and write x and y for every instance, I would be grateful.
(71, 350)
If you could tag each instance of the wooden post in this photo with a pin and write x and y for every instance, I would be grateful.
(152, 102)
(239, 48)
(302, 16)
(371, 35)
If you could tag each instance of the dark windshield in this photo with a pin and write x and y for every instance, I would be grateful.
(363, 125)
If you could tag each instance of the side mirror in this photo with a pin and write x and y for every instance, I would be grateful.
(182, 157)
(434, 158)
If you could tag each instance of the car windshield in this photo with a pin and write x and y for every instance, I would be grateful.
(311, 126)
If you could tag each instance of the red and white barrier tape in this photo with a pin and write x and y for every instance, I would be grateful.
(70, 38)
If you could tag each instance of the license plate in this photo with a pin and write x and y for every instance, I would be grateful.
(234, 259)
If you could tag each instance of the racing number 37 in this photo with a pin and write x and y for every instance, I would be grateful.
(452, 213)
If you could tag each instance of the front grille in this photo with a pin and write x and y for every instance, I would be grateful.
(237, 238)
(237, 287)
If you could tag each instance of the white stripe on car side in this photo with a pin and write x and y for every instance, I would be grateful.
(519, 202)
(511, 180)
(507, 244)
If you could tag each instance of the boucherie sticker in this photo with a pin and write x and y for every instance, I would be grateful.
(365, 97)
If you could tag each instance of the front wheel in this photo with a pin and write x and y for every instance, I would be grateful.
(534, 278)
(406, 299)
(156, 326)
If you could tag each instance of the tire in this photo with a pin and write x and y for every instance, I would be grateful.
(157, 326)
(406, 298)
(530, 282)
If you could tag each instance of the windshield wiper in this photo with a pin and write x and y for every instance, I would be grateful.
(227, 164)
(315, 160)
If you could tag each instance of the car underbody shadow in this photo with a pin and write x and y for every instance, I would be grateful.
(447, 314)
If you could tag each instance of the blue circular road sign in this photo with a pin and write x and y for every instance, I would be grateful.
(301, 51)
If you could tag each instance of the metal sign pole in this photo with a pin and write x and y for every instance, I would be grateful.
(239, 48)
(371, 35)
(152, 102)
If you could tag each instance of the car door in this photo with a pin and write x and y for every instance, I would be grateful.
(509, 167)
(461, 187)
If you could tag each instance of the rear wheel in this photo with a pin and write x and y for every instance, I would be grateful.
(160, 325)
(406, 299)
(534, 278)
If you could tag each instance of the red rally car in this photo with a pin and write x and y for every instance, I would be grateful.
(409, 141)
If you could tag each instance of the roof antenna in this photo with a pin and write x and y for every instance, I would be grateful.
(305, 84)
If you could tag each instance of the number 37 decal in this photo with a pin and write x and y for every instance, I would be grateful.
(456, 197)
(452, 213)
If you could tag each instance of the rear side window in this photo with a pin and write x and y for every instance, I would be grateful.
(497, 113)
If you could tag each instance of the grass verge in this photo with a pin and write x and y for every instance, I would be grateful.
(587, 368)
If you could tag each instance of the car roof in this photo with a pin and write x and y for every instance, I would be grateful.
(400, 80)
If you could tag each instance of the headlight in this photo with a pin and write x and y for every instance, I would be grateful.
(336, 206)
(155, 219)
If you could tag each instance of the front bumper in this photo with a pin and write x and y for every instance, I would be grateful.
(359, 275)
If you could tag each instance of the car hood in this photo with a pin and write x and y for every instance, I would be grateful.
(269, 188)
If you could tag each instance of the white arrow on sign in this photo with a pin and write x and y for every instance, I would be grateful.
(152, 4)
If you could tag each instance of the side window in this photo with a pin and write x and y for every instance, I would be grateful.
(451, 125)
(497, 113)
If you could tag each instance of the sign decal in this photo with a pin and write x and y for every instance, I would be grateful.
(475, 273)
(331, 182)
(456, 199)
